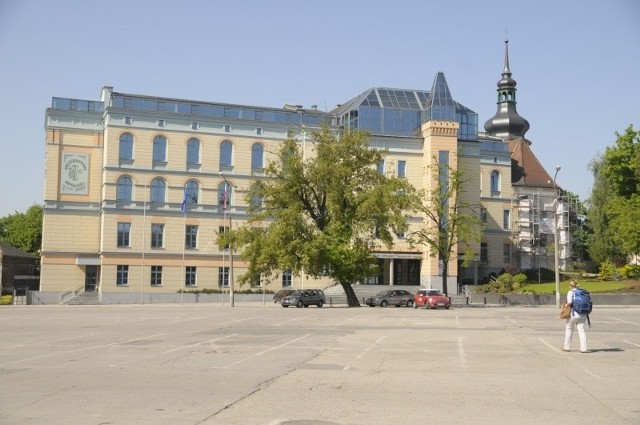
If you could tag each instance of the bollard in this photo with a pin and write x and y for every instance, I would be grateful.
(467, 300)
(485, 300)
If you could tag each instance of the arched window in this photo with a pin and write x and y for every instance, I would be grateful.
(226, 153)
(193, 151)
(257, 157)
(159, 149)
(158, 191)
(225, 194)
(191, 191)
(126, 146)
(495, 181)
(125, 188)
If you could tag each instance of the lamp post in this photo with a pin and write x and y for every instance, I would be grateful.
(225, 203)
(555, 237)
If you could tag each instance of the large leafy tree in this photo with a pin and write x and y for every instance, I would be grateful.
(324, 215)
(23, 230)
(578, 227)
(448, 219)
(615, 200)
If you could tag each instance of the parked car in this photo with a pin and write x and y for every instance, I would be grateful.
(430, 298)
(304, 298)
(278, 296)
(397, 297)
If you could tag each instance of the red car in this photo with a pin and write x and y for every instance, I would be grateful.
(430, 298)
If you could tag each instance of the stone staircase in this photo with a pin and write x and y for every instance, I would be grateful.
(85, 298)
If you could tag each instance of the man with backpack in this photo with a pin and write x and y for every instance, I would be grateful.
(581, 306)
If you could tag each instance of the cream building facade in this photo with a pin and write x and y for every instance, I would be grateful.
(138, 188)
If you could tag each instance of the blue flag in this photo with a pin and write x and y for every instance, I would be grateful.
(184, 202)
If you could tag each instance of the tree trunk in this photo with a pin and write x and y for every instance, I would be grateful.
(445, 272)
(352, 299)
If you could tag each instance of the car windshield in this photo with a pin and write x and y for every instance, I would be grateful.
(383, 293)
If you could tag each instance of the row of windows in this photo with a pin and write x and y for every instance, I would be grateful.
(157, 235)
(158, 192)
(506, 217)
(190, 276)
(160, 153)
(401, 170)
(484, 253)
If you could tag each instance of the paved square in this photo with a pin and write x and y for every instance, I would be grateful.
(263, 364)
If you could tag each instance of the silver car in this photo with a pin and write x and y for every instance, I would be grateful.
(397, 297)
(304, 298)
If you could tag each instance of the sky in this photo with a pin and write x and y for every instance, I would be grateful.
(576, 62)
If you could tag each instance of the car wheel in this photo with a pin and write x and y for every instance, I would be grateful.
(383, 303)
(285, 306)
(447, 307)
(372, 305)
(300, 304)
(409, 303)
(320, 304)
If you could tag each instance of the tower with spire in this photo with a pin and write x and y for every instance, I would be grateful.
(507, 123)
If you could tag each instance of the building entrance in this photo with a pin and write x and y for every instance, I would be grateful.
(90, 278)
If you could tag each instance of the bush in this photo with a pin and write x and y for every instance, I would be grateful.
(504, 283)
(630, 271)
(6, 300)
(546, 275)
(608, 271)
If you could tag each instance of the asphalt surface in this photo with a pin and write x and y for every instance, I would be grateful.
(263, 364)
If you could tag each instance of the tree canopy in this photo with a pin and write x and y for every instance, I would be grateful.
(23, 230)
(324, 215)
(614, 210)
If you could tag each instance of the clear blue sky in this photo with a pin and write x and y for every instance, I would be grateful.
(577, 64)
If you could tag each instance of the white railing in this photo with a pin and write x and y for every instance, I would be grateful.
(70, 293)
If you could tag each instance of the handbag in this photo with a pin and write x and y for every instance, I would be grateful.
(565, 313)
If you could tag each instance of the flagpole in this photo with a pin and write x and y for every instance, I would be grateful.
(184, 226)
(144, 225)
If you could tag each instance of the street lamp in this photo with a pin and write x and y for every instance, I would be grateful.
(555, 237)
(225, 203)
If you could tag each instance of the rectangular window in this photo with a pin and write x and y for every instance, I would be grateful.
(506, 219)
(161, 123)
(227, 128)
(156, 275)
(157, 235)
(484, 252)
(223, 277)
(190, 276)
(191, 236)
(506, 253)
(194, 126)
(287, 279)
(122, 275)
(128, 120)
(380, 167)
(221, 230)
(402, 168)
(259, 130)
(124, 230)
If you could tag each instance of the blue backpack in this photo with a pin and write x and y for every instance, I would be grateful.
(582, 301)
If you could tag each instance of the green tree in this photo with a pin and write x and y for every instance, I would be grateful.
(578, 227)
(324, 215)
(613, 210)
(449, 220)
(23, 230)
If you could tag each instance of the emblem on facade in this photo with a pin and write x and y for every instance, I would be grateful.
(75, 174)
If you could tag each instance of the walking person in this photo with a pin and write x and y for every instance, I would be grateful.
(576, 320)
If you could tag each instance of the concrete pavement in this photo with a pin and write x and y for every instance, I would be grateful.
(262, 364)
